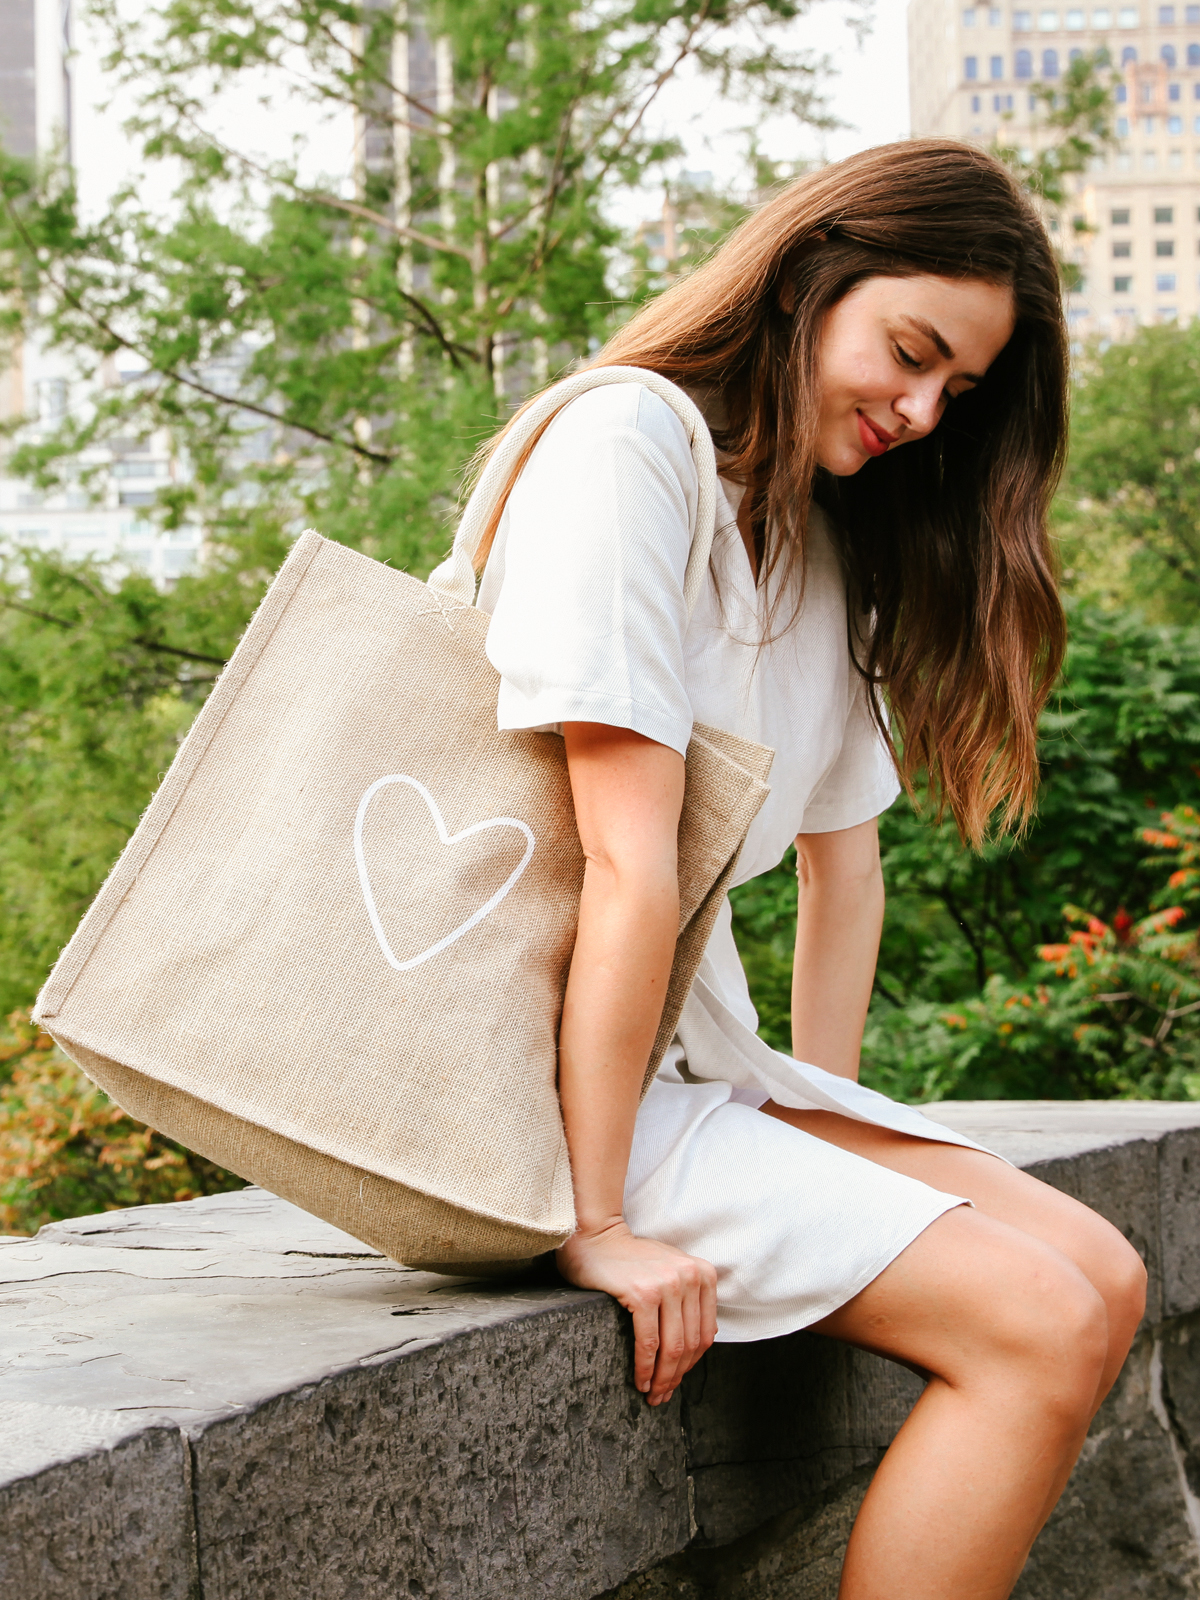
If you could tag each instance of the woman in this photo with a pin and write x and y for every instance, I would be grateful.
(880, 354)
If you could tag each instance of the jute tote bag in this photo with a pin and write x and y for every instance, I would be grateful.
(332, 956)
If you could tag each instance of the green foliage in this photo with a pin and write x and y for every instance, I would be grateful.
(1113, 1011)
(1128, 516)
(316, 356)
(67, 1151)
(1120, 745)
(332, 358)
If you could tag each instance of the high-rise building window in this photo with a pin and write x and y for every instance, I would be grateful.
(996, 17)
(975, 103)
(1122, 127)
(1173, 91)
(1048, 21)
(1194, 55)
(1164, 247)
(1024, 64)
(1168, 54)
(997, 66)
(1122, 285)
(1127, 17)
(1149, 159)
(1166, 16)
(1122, 249)
(1075, 21)
(971, 67)
(1102, 18)
(1120, 217)
(1174, 124)
(1192, 13)
(969, 18)
(1196, 124)
(1022, 21)
(1127, 55)
(1164, 216)
(1122, 94)
(1175, 158)
(1049, 63)
(1075, 55)
(1165, 283)
(1147, 124)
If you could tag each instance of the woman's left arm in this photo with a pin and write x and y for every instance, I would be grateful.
(838, 923)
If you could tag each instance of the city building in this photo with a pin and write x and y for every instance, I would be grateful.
(1133, 223)
(102, 513)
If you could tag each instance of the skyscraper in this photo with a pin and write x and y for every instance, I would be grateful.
(1133, 223)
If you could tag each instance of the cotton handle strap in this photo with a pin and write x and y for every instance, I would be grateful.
(456, 575)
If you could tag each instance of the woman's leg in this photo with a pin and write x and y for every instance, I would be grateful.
(1104, 1256)
(1021, 1312)
(1014, 1340)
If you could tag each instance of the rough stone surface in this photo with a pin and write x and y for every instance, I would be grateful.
(113, 1519)
(339, 1410)
(795, 1556)
(1179, 1190)
(777, 1423)
(1124, 1526)
(228, 1399)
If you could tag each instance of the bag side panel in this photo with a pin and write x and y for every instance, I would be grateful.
(724, 791)
(171, 791)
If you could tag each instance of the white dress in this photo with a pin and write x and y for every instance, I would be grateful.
(585, 588)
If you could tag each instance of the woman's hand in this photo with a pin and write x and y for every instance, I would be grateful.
(672, 1296)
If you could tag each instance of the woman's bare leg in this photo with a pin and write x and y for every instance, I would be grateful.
(1021, 1312)
(1104, 1256)
(1014, 1339)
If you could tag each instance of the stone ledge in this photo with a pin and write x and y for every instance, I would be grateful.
(228, 1399)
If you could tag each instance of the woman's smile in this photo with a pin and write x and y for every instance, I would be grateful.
(875, 440)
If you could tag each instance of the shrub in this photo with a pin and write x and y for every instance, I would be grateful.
(66, 1150)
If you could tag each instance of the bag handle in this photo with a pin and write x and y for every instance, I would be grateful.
(456, 575)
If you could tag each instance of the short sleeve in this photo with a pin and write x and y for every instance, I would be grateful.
(862, 781)
(585, 582)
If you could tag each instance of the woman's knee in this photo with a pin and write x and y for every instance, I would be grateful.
(1119, 1274)
(1040, 1334)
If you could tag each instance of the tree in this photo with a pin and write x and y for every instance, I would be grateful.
(1128, 516)
(318, 355)
(335, 357)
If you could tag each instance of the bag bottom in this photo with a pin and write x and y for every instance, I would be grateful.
(412, 1228)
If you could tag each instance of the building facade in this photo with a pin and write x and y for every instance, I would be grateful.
(1133, 224)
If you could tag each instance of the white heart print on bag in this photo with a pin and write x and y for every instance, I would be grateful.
(447, 838)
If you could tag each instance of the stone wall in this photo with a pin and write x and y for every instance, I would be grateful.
(229, 1400)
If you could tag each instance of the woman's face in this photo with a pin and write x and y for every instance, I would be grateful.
(894, 353)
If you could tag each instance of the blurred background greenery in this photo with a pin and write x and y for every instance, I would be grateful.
(317, 354)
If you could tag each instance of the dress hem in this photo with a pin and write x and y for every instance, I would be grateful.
(843, 1297)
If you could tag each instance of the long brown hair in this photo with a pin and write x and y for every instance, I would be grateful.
(944, 541)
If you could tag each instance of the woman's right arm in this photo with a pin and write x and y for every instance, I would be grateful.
(628, 793)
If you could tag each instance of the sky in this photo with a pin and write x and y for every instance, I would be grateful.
(868, 92)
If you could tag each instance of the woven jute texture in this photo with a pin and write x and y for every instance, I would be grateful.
(274, 972)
